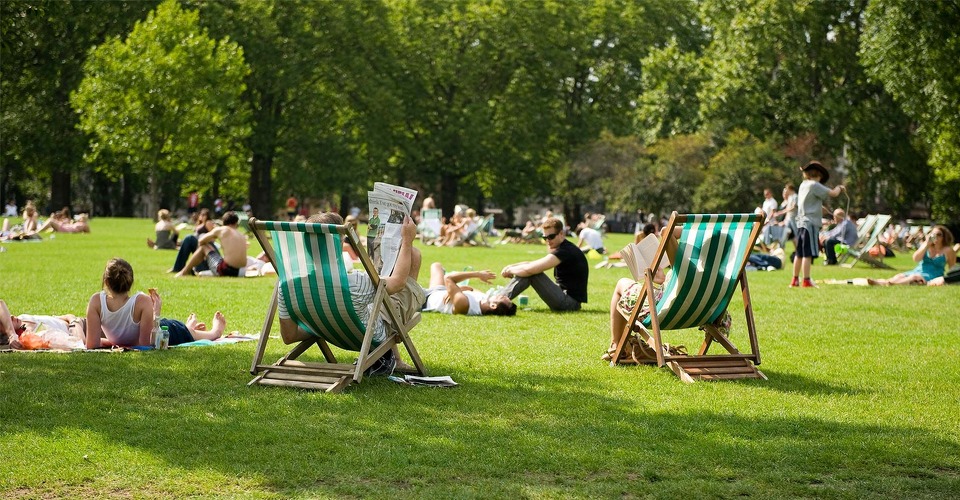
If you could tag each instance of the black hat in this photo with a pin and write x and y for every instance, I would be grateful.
(815, 165)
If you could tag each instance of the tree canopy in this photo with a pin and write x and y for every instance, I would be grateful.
(609, 104)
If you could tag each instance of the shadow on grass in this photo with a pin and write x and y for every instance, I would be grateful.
(498, 435)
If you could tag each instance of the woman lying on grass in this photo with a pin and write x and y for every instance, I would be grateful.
(933, 256)
(128, 321)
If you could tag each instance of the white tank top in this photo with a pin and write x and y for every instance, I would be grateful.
(119, 326)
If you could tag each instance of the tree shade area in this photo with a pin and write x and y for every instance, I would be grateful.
(655, 105)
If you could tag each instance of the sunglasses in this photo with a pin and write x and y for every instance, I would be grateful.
(550, 237)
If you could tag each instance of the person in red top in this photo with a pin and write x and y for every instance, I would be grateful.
(291, 207)
(193, 199)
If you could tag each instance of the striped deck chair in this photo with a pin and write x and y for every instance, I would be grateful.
(312, 275)
(862, 251)
(430, 225)
(708, 263)
(864, 230)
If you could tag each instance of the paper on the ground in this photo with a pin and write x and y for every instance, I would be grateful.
(639, 256)
(389, 204)
(444, 381)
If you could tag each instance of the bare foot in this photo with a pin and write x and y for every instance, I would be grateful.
(192, 324)
(157, 302)
(218, 325)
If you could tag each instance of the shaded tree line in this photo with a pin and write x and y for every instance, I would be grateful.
(613, 104)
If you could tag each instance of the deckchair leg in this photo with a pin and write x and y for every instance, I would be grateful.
(299, 349)
(325, 349)
(748, 316)
(265, 332)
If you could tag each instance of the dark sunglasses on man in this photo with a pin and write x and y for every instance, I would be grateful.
(550, 237)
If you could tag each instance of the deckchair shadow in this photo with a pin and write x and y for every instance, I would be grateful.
(312, 279)
(707, 265)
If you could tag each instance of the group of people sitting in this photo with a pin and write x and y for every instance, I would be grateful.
(30, 228)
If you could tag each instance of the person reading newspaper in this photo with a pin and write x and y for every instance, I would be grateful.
(389, 206)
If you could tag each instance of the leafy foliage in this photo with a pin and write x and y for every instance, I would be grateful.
(165, 100)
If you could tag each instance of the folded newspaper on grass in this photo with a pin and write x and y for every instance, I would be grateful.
(444, 381)
(640, 256)
(389, 204)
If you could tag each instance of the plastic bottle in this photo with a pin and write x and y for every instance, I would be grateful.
(156, 334)
(164, 337)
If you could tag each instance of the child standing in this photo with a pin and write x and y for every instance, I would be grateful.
(810, 198)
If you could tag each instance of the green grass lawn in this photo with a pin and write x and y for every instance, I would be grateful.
(863, 397)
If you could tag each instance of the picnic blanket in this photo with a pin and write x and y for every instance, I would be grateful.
(232, 338)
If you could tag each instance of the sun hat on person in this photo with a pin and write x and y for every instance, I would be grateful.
(815, 165)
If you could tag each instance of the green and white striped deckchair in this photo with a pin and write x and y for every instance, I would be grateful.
(312, 276)
(708, 262)
(861, 251)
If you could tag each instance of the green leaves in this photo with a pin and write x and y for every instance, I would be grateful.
(166, 100)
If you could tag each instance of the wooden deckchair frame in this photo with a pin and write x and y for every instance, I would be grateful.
(733, 364)
(331, 376)
(862, 251)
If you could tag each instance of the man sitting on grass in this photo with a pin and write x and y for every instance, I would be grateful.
(207, 257)
(569, 268)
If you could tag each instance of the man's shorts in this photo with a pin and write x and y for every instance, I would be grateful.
(410, 299)
(218, 266)
(808, 242)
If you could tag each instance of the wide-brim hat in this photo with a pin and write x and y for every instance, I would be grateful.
(815, 165)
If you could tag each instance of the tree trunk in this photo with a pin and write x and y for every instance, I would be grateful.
(449, 189)
(60, 189)
(153, 200)
(261, 185)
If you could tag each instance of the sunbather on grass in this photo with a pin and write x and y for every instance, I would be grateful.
(114, 317)
(933, 256)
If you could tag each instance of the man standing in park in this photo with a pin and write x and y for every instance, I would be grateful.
(233, 244)
(569, 268)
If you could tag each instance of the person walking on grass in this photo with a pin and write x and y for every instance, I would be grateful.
(810, 199)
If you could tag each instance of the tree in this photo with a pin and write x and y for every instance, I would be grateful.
(739, 172)
(43, 47)
(165, 100)
(913, 49)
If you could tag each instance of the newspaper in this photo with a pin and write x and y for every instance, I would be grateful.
(389, 204)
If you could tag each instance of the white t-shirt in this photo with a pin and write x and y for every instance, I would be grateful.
(435, 301)
(769, 207)
(592, 237)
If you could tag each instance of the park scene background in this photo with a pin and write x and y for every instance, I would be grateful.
(119, 108)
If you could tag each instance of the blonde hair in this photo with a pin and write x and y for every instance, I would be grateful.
(163, 214)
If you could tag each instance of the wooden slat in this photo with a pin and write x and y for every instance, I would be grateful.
(337, 367)
(318, 378)
(702, 363)
(303, 371)
(732, 376)
(711, 358)
(718, 370)
(297, 384)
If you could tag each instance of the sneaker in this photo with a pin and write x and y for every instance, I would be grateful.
(808, 283)
(383, 366)
(795, 283)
